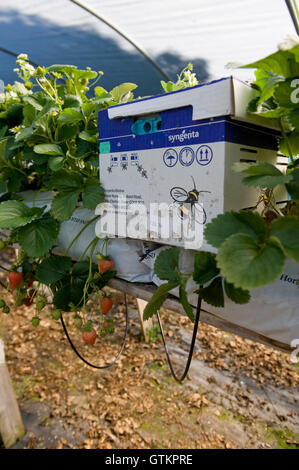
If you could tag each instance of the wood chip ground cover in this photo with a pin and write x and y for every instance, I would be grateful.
(239, 394)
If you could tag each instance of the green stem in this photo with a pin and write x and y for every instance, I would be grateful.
(105, 245)
(79, 233)
(9, 164)
(95, 241)
(35, 196)
(50, 85)
(286, 140)
(86, 249)
(44, 89)
(95, 81)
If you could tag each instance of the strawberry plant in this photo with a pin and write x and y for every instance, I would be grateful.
(185, 79)
(49, 142)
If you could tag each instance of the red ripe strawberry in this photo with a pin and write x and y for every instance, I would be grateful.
(89, 336)
(106, 305)
(15, 279)
(29, 283)
(104, 263)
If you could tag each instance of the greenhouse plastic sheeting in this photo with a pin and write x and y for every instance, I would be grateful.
(208, 33)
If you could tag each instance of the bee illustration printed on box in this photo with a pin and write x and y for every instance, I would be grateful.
(188, 203)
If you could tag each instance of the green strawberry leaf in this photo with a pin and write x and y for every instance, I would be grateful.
(205, 267)
(293, 185)
(158, 299)
(71, 101)
(267, 83)
(229, 223)
(48, 149)
(70, 116)
(25, 134)
(121, 92)
(67, 132)
(89, 136)
(284, 93)
(93, 193)
(294, 118)
(286, 230)
(290, 145)
(280, 63)
(167, 264)
(56, 163)
(62, 298)
(264, 175)
(53, 269)
(38, 237)
(104, 278)
(236, 294)
(247, 264)
(15, 214)
(64, 180)
(68, 69)
(64, 204)
(81, 270)
(213, 293)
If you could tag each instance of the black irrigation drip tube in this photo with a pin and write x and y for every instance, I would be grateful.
(191, 350)
(110, 364)
(15, 54)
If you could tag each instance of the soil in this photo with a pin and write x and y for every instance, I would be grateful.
(239, 394)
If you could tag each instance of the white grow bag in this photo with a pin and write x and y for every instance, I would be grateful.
(273, 311)
(125, 253)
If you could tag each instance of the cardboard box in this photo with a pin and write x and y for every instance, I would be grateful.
(178, 149)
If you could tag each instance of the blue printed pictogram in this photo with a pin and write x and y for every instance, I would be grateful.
(170, 158)
(186, 156)
(134, 159)
(204, 155)
(114, 160)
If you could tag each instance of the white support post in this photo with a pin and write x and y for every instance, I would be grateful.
(11, 424)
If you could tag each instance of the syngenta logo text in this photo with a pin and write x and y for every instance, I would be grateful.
(183, 136)
(295, 94)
